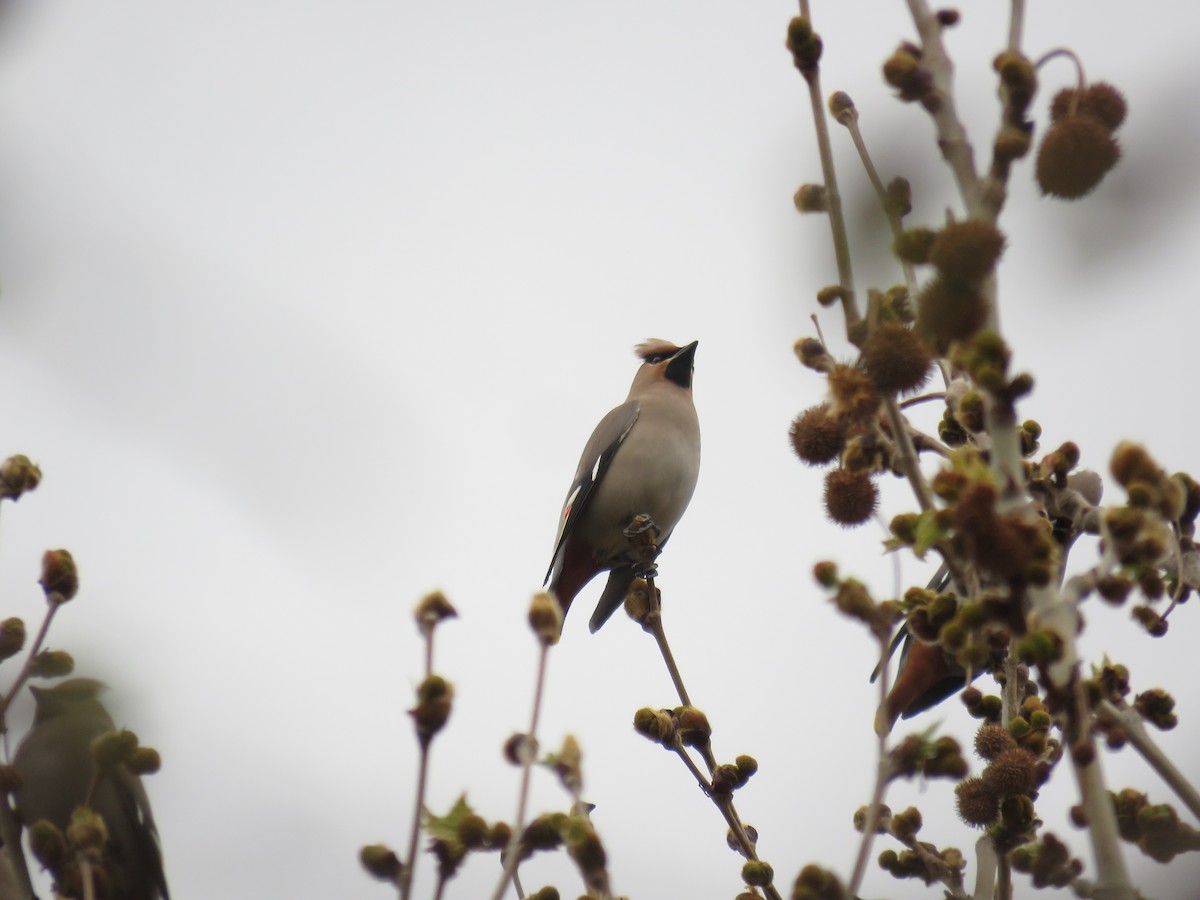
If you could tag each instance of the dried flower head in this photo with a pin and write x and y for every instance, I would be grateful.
(897, 358)
(1100, 100)
(817, 437)
(967, 251)
(850, 497)
(1075, 155)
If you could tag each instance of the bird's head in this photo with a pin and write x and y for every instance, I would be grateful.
(663, 360)
(66, 697)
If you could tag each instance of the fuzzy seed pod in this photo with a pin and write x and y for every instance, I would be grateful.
(949, 311)
(1100, 100)
(967, 251)
(977, 805)
(991, 740)
(817, 437)
(1011, 773)
(850, 497)
(897, 358)
(1075, 155)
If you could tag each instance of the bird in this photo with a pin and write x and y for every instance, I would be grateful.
(926, 675)
(642, 459)
(58, 774)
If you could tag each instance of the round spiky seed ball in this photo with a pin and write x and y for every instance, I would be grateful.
(1075, 154)
(850, 497)
(991, 740)
(949, 311)
(1012, 773)
(967, 251)
(897, 358)
(977, 805)
(817, 437)
(1100, 100)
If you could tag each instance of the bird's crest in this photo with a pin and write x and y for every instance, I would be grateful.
(652, 347)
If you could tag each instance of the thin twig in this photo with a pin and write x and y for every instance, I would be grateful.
(1112, 881)
(882, 773)
(908, 454)
(1003, 878)
(952, 137)
(422, 779)
(849, 118)
(922, 398)
(833, 197)
(950, 878)
(53, 603)
(1131, 722)
(528, 754)
(411, 861)
(654, 620)
(1016, 24)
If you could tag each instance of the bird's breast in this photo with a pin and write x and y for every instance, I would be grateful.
(653, 473)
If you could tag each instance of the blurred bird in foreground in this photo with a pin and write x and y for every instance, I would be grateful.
(925, 677)
(642, 459)
(59, 773)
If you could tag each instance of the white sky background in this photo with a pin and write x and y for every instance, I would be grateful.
(308, 309)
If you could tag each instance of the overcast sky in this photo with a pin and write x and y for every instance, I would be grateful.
(308, 309)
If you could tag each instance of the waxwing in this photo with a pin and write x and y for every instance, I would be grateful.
(642, 459)
(57, 769)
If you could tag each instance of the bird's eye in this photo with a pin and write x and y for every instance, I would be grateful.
(656, 358)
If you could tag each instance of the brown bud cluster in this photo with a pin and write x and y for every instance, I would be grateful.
(903, 71)
(18, 476)
(435, 697)
(1048, 862)
(60, 578)
(1079, 148)
(805, 46)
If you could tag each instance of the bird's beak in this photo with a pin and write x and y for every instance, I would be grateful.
(679, 366)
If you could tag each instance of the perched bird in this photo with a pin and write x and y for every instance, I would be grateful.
(642, 459)
(57, 771)
(925, 677)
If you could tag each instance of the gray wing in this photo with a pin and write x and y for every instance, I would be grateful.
(597, 455)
